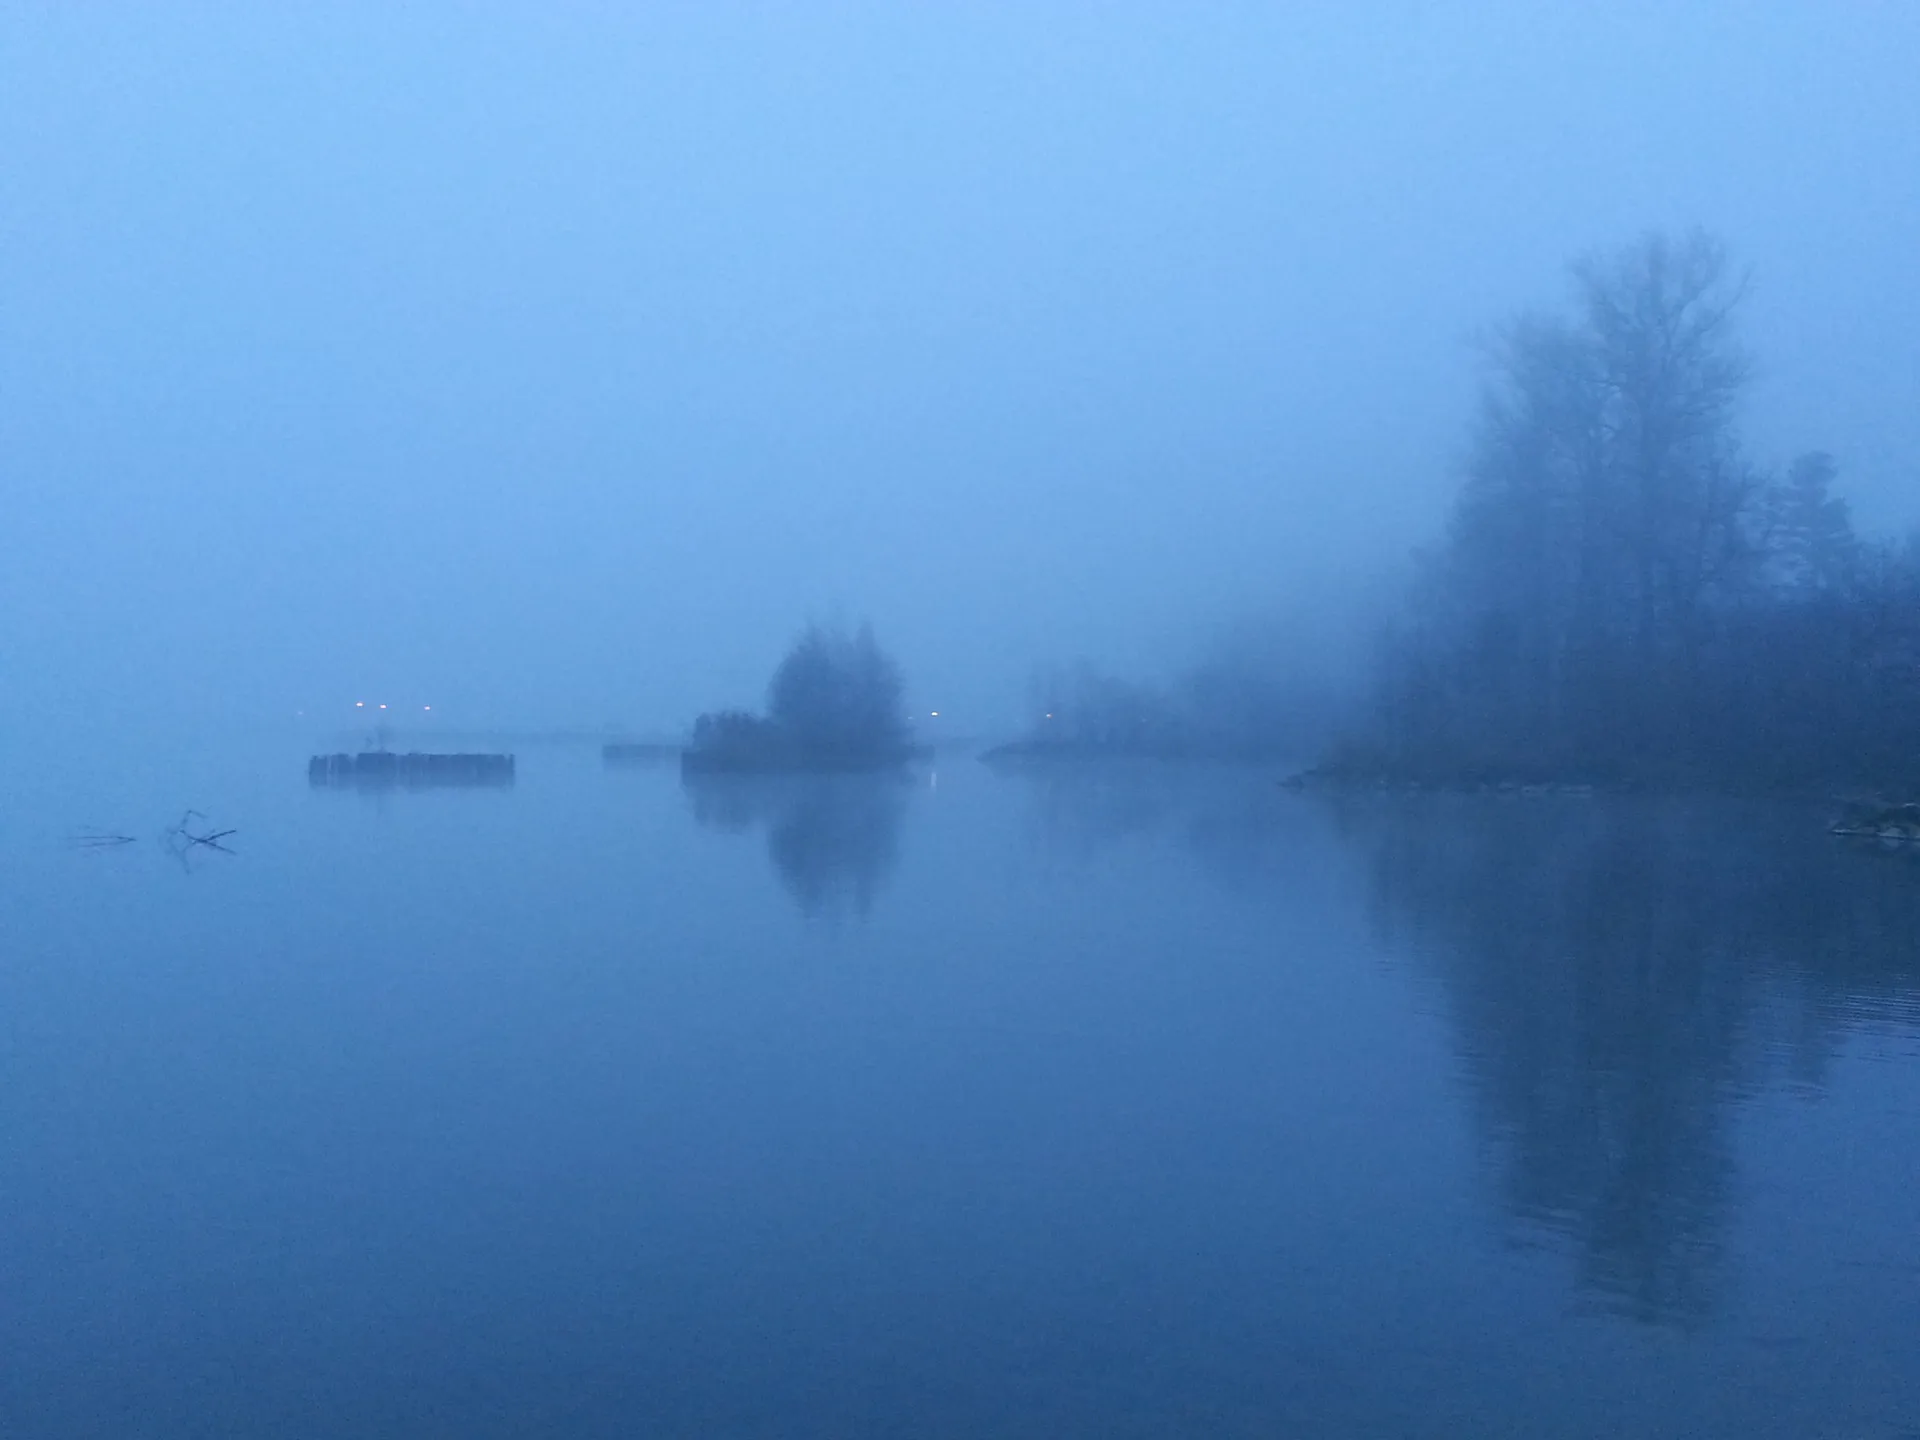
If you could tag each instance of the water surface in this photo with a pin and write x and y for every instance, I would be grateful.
(1087, 1102)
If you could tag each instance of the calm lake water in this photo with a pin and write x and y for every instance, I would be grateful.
(1107, 1102)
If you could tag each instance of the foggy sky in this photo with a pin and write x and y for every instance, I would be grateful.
(550, 364)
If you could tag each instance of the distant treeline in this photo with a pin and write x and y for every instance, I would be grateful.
(1239, 706)
(1622, 597)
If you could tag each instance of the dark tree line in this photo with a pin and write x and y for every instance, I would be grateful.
(1251, 702)
(1622, 596)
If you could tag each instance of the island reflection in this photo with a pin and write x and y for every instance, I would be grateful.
(833, 838)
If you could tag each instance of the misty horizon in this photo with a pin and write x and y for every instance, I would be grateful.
(555, 369)
(960, 720)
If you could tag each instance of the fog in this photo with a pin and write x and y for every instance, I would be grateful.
(980, 719)
(551, 366)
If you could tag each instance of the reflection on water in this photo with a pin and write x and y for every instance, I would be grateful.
(1619, 975)
(1621, 972)
(833, 839)
(1233, 818)
(1164, 1101)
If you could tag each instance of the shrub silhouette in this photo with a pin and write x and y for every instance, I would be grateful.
(833, 704)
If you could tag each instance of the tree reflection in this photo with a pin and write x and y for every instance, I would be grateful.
(1619, 972)
(833, 838)
(1233, 819)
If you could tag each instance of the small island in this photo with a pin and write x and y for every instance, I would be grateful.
(834, 704)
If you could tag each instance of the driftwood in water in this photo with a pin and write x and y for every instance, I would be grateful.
(385, 767)
(1898, 823)
(98, 839)
(183, 836)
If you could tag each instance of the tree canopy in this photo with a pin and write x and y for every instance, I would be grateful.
(834, 703)
(1622, 594)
